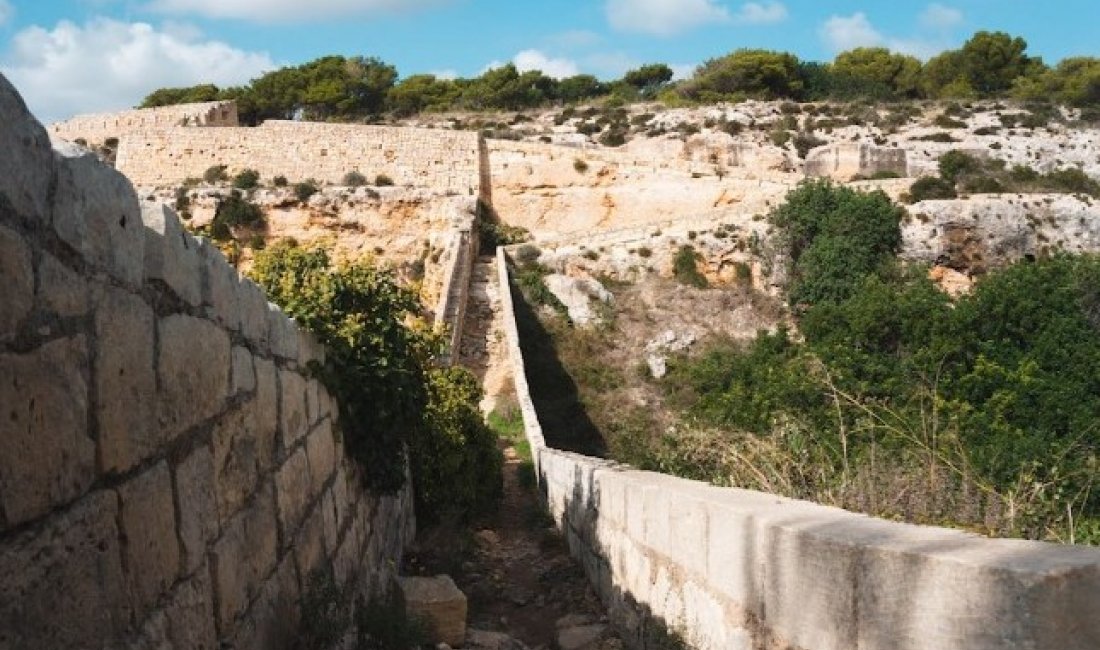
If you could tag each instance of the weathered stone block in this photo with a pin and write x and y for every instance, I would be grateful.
(253, 310)
(272, 623)
(223, 304)
(236, 460)
(439, 602)
(17, 270)
(292, 486)
(197, 507)
(97, 213)
(245, 553)
(321, 447)
(309, 547)
(125, 380)
(60, 289)
(148, 520)
(190, 614)
(282, 334)
(926, 588)
(71, 568)
(171, 255)
(328, 517)
(293, 421)
(193, 376)
(27, 167)
(266, 413)
(244, 373)
(46, 456)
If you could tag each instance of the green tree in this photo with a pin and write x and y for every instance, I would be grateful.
(878, 67)
(835, 236)
(993, 60)
(747, 73)
(189, 95)
(649, 79)
(580, 87)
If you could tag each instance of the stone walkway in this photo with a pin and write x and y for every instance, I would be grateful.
(482, 347)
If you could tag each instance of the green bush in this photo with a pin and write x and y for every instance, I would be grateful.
(215, 174)
(955, 165)
(380, 371)
(382, 180)
(304, 190)
(234, 211)
(580, 166)
(835, 236)
(931, 188)
(280, 181)
(685, 268)
(247, 179)
(354, 179)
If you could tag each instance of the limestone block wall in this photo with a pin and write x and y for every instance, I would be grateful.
(97, 128)
(448, 161)
(842, 162)
(544, 189)
(170, 474)
(738, 570)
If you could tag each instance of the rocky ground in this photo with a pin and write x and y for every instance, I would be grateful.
(524, 591)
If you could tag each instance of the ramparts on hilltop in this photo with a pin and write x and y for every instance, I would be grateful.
(100, 127)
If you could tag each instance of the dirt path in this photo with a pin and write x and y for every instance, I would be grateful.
(518, 576)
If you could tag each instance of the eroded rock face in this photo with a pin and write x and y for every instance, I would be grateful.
(846, 161)
(581, 296)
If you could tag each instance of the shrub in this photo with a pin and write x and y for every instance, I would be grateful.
(780, 138)
(527, 255)
(685, 268)
(947, 122)
(183, 199)
(215, 174)
(247, 179)
(354, 179)
(234, 211)
(931, 188)
(580, 165)
(382, 180)
(942, 136)
(279, 181)
(614, 137)
(955, 164)
(804, 142)
(381, 372)
(645, 252)
(835, 236)
(304, 190)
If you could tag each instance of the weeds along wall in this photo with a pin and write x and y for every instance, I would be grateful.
(170, 474)
(738, 570)
(98, 128)
(447, 161)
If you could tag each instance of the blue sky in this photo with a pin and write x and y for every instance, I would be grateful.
(75, 56)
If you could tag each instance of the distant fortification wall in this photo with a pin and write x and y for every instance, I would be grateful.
(98, 128)
(170, 475)
(730, 569)
(448, 161)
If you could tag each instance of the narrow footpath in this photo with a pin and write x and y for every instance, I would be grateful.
(524, 591)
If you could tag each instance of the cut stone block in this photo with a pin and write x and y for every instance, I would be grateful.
(439, 603)
(148, 519)
(17, 298)
(194, 377)
(46, 456)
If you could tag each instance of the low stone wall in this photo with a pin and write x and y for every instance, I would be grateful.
(447, 161)
(170, 473)
(98, 128)
(843, 162)
(738, 570)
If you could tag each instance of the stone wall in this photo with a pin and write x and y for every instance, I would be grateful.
(170, 474)
(844, 162)
(447, 161)
(98, 128)
(556, 191)
(738, 570)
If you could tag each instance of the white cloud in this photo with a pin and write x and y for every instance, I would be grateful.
(535, 60)
(610, 65)
(7, 11)
(756, 13)
(286, 10)
(941, 17)
(663, 17)
(847, 32)
(108, 64)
